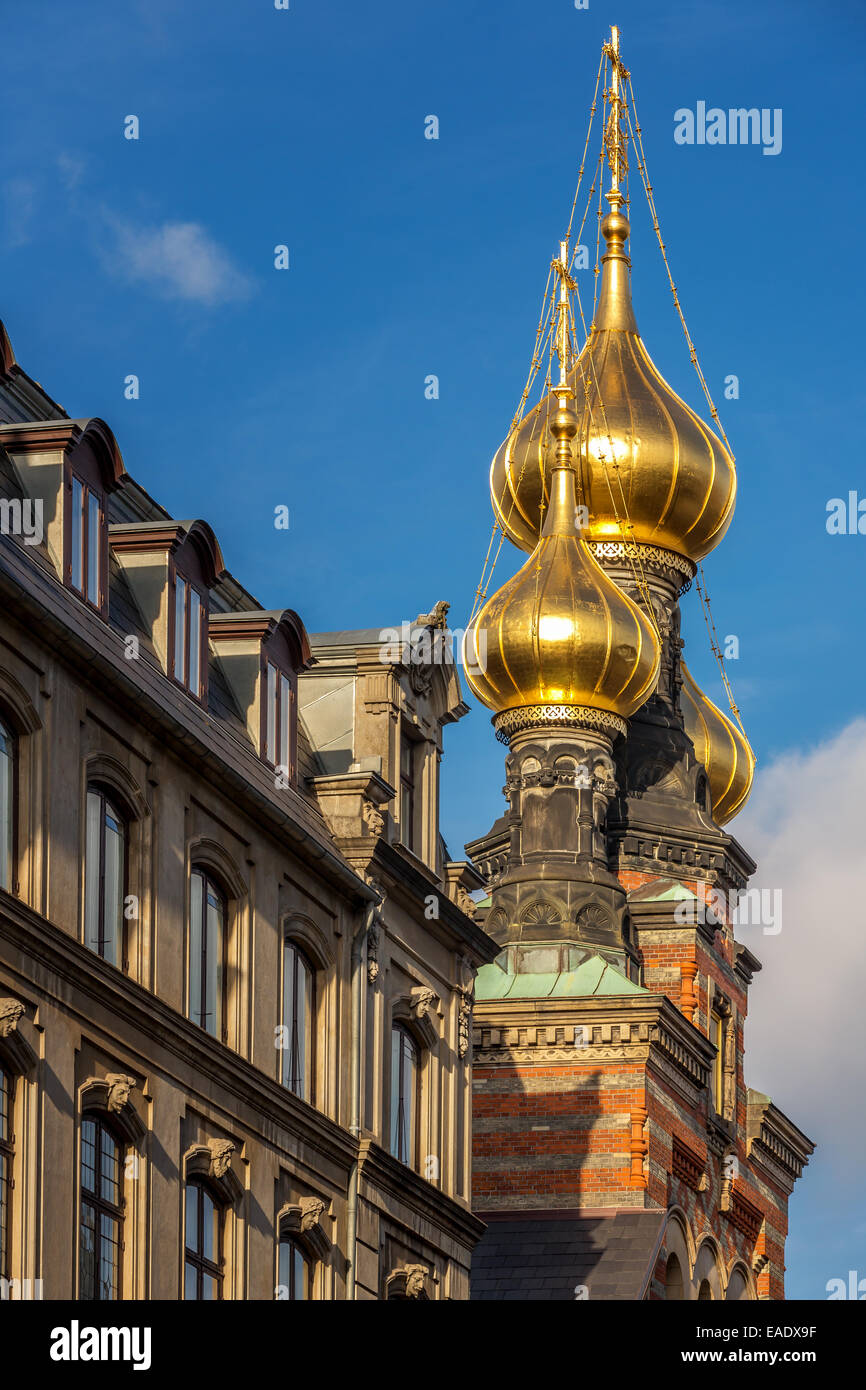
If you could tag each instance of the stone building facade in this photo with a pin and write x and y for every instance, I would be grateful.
(236, 966)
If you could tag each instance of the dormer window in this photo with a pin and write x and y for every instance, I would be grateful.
(86, 542)
(278, 726)
(187, 655)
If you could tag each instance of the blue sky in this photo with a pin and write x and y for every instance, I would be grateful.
(409, 257)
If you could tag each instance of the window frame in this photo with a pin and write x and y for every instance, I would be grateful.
(108, 800)
(8, 1080)
(200, 1262)
(399, 1029)
(9, 730)
(100, 1205)
(279, 751)
(209, 881)
(717, 1037)
(290, 1240)
(301, 959)
(408, 792)
(180, 581)
(89, 495)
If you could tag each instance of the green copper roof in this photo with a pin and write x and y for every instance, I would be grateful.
(677, 892)
(594, 976)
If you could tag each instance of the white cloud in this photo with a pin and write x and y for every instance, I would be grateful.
(806, 1033)
(179, 259)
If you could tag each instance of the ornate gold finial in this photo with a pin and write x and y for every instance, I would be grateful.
(615, 141)
(564, 423)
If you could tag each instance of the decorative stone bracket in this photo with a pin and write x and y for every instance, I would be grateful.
(112, 1094)
(408, 1281)
(303, 1219)
(213, 1161)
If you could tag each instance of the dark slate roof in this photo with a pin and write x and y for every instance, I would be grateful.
(544, 1257)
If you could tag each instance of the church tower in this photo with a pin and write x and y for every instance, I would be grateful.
(614, 1130)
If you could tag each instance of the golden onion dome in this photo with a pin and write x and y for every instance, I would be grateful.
(721, 747)
(560, 632)
(674, 483)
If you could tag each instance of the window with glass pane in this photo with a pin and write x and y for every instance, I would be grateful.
(101, 1225)
(407, 792)
(297, 1052)
(76, 537)
(203, 1269)
(180, 630)
(717, 1037)
(294, 1275)
(206, 944)
(94, 548)
(6, 1157)
(278, 720)
(404, 1094)
(7, 808)
(194, 682)
(86, 542)
(104, 877)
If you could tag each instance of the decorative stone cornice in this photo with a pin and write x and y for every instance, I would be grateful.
(604, 1030)
(774, 1142)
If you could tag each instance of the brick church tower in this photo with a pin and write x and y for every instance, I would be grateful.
(618, 1151)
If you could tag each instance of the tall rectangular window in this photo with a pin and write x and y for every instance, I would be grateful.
(407, 792)
(104, 877)
(86, 543)
(297, 1036)
(94, 549)
(7, 808)
(188, 636)
(203, 1265)
(180, 630)
(717, 1036)
(405, 1074)
(101, 1225)
(6, 1157)
(206, 946)
(278, 720)
(76, 533)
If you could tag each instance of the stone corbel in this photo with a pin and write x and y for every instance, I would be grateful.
(461, 880)
(465, 1001)
(14, 1044)
(408, 1281)
(303, 1220)
(213, 1162)
(419, 1009)
(112, 1094)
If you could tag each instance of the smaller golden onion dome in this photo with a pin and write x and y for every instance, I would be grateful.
(561, 632)
(721, 747)
(651, 471)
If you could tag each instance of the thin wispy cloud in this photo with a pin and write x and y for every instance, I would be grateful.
(19, 197)
(179, 260)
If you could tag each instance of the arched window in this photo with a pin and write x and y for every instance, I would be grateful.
(705, 1292)
(673, 1279)
(203, 1240)
(207, 922)
(105, 868)
(101, 1218)
(294, 1273)
(298, 1012)
(7, 806)
(7, 1156)
(405, 1075)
